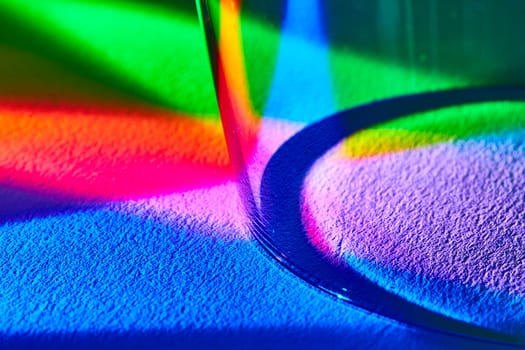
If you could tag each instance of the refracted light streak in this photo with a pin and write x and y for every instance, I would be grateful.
(302, 90)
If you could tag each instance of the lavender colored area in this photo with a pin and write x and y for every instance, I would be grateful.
(440, 225)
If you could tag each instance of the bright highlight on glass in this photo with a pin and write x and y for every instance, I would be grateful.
(310, 90)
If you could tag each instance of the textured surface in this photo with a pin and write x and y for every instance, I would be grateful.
(441, 225)
(120, 225)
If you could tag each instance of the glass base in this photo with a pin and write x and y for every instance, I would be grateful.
(281, 228)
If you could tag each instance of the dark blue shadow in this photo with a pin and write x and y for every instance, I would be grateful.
(279, 227)
(286, 339)
(19, 204)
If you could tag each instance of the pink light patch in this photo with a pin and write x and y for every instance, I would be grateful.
(109, 153)
(215, 210)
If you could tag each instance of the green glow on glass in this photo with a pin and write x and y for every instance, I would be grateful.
(261, 47)
(151, 49)
(444, 125)
(359, 78)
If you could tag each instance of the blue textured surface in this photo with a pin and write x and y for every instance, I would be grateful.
(107, 278)
(303, 20)
(171, 271)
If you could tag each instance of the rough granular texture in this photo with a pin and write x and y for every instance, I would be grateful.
(441, 225)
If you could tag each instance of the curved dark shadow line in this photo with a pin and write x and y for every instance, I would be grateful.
(278, 227)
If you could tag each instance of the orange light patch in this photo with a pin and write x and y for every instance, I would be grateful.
(231, 52)
(108, 154)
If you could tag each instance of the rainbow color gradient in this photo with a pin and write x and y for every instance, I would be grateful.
(120, 219)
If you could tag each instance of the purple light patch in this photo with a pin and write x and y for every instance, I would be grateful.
(448, 216)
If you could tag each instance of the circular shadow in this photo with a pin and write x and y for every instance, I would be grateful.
(279, 227)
